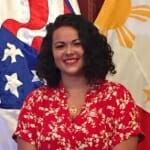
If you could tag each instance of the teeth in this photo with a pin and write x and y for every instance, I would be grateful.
(71, 60)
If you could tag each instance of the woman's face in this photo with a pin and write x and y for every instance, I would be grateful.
(67, 51)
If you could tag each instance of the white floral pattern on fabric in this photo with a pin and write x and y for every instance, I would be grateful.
(107, 117)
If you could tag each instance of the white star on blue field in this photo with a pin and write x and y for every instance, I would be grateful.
(17, 70)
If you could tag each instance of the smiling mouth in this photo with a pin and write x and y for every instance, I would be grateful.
(71, 60)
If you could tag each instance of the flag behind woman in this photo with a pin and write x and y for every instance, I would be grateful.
(126, 25)
(22, 26)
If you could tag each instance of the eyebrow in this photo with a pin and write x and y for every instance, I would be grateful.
(61, 42)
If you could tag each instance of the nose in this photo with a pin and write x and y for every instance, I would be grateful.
(69, 50)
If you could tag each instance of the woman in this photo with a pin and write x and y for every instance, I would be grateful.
(77, 109)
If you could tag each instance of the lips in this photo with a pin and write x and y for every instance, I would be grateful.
(70, 60)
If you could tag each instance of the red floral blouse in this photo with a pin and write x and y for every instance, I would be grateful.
(108, 117)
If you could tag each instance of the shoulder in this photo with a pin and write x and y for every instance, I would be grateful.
(38, 95)
(115, 91)
(37, 100)
(42, 89)
(117, 98)
(112, 86)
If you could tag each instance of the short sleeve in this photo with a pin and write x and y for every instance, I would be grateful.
(126, 122)
(26, 127)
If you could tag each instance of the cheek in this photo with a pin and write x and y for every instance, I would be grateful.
(55, 55)
(57, 58)
(82, 54)
(81, 51)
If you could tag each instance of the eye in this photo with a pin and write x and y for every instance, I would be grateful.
(77, 43)
(59, 45)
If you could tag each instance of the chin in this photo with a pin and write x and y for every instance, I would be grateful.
(73, 73)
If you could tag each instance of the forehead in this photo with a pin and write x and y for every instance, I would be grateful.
(65, 33)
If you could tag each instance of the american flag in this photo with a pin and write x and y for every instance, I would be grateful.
(17, 73)
(22, 27)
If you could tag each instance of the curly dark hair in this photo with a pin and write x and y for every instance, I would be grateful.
(97, 52)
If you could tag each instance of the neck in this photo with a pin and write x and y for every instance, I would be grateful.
(74, 82)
